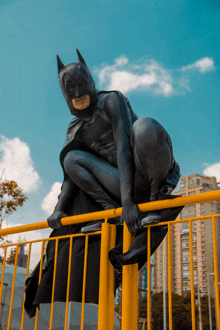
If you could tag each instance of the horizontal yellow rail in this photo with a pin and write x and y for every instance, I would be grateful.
(130, 272)
(144, 207)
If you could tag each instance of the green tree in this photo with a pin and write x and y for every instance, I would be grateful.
(11, 197)
(11, 258)
(181, 311)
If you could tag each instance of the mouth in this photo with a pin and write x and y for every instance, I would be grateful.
(79, 99)
(81, 102)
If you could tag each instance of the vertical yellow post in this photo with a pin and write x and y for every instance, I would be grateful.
(84, 282)
(3, 274)
(68, 284)
(192, 277)
(27, 273)
(148, 279)
(169, 279)
(53, 287)
(111, 281)
(216, 270)
(40, 274)
(103, 279)
(129, 289)
(13, 288)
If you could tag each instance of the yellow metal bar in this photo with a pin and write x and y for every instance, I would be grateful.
(111, 281)
(130, 272)
(13, 288)
(3, 274)
(84, 282)
(68, 284)
(169, 279)
(103, 278)
(53, 238)
(40, 274)
(129, 288)
(186, 200)
(148, 279)
(27, 273)
(179, 201)
(192, 278)
(182, 220)
(95, 233)
(216, 270)
(54, 281)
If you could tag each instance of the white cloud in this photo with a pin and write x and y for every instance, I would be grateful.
(203, 65)
(213, 170)
(50, 201)
(148, 75)
(16, 164)
(24, 237)
(126, 77)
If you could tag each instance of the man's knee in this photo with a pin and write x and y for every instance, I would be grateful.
(147, 132)
(73, 159)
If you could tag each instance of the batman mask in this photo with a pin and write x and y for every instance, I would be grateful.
(75, 82)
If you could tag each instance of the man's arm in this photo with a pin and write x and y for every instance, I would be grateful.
(65, 199)
(115, 106)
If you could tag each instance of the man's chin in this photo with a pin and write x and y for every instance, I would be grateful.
(81, 107)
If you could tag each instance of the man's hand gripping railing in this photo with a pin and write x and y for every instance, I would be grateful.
(145, 207)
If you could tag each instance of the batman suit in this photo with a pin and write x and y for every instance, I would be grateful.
(111, 158)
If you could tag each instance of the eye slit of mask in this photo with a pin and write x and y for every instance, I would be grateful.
(71, 89)
(83, 84)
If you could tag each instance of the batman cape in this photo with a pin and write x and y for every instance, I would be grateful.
(80, 203)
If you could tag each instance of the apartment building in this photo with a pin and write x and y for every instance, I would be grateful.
(202, 240)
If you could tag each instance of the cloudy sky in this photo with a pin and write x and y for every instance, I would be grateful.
(163, 55)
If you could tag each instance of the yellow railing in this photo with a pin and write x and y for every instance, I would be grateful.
(106, 280)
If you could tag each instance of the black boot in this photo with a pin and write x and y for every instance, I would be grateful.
(97, 225)
(153, 217)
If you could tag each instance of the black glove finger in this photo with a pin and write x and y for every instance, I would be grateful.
(51, 224)
(138, 221)
(54, 223)
(133, 228)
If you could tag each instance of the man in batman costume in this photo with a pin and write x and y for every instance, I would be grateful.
(110, 159)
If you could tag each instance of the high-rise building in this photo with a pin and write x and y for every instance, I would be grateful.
(202, 240)
(22, 256)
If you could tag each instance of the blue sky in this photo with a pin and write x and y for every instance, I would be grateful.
(164, 56)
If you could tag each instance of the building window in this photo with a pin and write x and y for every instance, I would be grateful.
(185, 225)
(182, 184)
(186, 273)
(191, 182)
(189, 215)
(185, 231)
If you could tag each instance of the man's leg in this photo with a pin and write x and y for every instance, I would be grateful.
(95, 176)
(153, 156)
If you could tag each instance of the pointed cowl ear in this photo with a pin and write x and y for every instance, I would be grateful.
(81, 59)
(60, 65)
